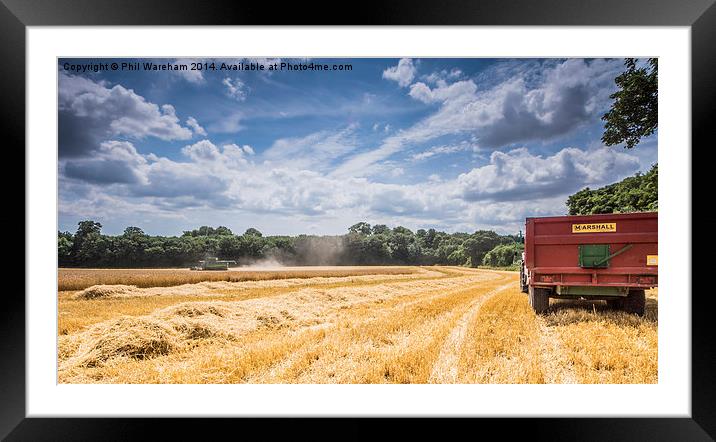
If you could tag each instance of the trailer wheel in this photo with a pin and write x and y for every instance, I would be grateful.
(538, 299)
(615, 304)
(634, 302)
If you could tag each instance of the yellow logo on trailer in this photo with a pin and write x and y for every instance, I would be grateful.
(652, 260)
(594, 228)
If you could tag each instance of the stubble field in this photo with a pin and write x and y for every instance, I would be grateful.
(339, 325)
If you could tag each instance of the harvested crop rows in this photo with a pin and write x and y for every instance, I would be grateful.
(418, 325)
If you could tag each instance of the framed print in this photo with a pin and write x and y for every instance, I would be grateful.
(388, 217)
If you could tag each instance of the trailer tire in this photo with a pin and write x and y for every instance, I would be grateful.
(523, 279)
(538, 299)
(615, 304)
(635, 302)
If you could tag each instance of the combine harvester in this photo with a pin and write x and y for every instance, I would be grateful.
(613, 257)
(213, 263)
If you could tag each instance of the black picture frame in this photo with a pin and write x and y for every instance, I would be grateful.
(700, 15)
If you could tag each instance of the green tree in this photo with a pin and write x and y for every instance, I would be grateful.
(251, 244)
(221, 231)
(87, 229)
(87, 245)
(403, 230)
(362, 227)
(458, 257)
(133, 232)
(634, 112)
(252, 232)
(64, 248)
(478, 244)
(134, 248)
(638, 193)
(380, 229)
(399, 246)
(376, 249)
(503, 255)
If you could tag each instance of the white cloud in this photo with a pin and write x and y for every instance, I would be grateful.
(444, 92)
(192, 76)
(403, 73)
(443, 75)
(556, 100)
(497, 195)
(90, 112)
(195, 126)
(520, 175)
(113, 162)
(441, 150)
(235, 88)
(295, 179)
(314, 150)
(229, 123)
(203, 150)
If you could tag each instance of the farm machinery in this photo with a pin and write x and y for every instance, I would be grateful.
(612, 257)
(213, 263)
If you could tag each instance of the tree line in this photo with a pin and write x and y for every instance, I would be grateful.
(363, 244)
(638, 193)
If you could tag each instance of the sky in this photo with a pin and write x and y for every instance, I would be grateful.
(447, 143)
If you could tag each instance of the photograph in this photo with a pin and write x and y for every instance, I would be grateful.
(362, 220)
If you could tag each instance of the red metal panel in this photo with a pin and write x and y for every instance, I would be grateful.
(552, 250)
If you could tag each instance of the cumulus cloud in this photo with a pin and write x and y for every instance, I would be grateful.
(90, 112)
(114, 162)
(403, 73)
(444, 92)
(520, 175)
(203, 150)
(562, 98)
(225, 161)
(195, 126)
(321, 177)
(497, 195)
(554, 101)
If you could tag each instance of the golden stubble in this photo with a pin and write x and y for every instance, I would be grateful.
(429, 325)
(79, 279)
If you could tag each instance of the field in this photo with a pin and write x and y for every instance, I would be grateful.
(339, 325)
(78, 279)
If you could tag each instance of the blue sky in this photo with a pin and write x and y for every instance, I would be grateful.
(454, 144)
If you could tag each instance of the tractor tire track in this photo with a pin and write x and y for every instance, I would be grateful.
(394, 307)
(556, 368)
(445, 369)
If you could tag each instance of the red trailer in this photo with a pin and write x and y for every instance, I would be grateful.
(612, 257)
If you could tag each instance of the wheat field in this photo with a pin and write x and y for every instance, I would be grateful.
(341, 325)
(78, 279)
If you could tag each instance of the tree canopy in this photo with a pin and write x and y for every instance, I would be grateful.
(638, 193)
(634, 112)
(361, 245)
